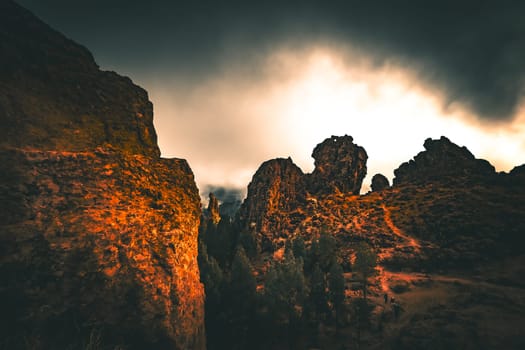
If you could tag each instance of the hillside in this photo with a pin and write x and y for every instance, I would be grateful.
(448, 236)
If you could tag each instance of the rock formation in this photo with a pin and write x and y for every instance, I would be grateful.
(379, 182)
(213, 209)
(340, 166)
(279, 186)
(517, 175)
(442, 160)
(275, 188)
(98, 234)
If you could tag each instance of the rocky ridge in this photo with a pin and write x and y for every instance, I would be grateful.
(98, 233)
(280, 186)
(444, 197)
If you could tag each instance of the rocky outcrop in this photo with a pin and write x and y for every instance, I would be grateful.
(279, 186)
(442, 160)
(517, 175)
(98, 234)
(213, 209)
(340, 166)
(275, 188)
(379, 182)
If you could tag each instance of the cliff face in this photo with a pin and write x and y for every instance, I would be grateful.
(275, 188)
(98, 234)
(445, 206)
(279, 187)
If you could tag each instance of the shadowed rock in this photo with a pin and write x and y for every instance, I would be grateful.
(379, 182)
(445, 161)
(340, 166)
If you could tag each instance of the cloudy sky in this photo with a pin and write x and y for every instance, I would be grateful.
(235, 83)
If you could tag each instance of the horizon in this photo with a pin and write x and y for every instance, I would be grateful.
(247, 93)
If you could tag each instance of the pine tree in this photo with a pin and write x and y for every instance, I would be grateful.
(242, 296)
(336, 288)
(299, 250)
(318, 299)
(365, 263)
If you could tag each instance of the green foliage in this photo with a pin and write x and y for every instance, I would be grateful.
(365, 263)
(323, 252)
(318, 300)
(285, 288)
(298, 248)
(242, 281)
(336, 285)
(336, 290)
(249, 243)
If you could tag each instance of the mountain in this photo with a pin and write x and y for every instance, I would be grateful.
(98, 233)
(448, 235)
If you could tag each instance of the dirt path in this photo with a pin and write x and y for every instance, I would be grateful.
(410, 241)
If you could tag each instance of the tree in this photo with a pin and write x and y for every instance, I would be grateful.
(327, 251)
(318, 299)
(322, 251)
(285, 291)
(361, 317)
(299, 250)
(242, 295)
(242, 283)
(365, 263)
(336, 290)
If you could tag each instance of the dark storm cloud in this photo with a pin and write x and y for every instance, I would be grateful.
(473, 51)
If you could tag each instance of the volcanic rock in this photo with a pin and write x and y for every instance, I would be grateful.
(442, 160)
(98, 234)
(379, 182)
(340, 166)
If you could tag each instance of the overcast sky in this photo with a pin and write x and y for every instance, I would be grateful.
(235, 83)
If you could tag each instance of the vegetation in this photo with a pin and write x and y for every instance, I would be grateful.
(365, 263)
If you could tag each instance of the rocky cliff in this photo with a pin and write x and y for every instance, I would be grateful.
(279, 186)
(340, 166)
(442, 160)
(98, 233)
(445, 206)
(275, 188)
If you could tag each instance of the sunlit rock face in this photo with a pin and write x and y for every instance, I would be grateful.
(340, 166)
(274, 189)
(442, 160)
(280, 187)
(379, 182)
(98, 234)
(213, 210)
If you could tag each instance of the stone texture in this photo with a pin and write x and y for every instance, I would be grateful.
(443, 160)
(340, 166)
(213, 209)
(275, 187)
(98, 234)
(379, 182)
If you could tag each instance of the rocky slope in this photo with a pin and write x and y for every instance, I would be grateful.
(449, 238)
(98, 234)
(445, 206)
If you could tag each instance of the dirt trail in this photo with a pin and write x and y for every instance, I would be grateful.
(410, 241)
